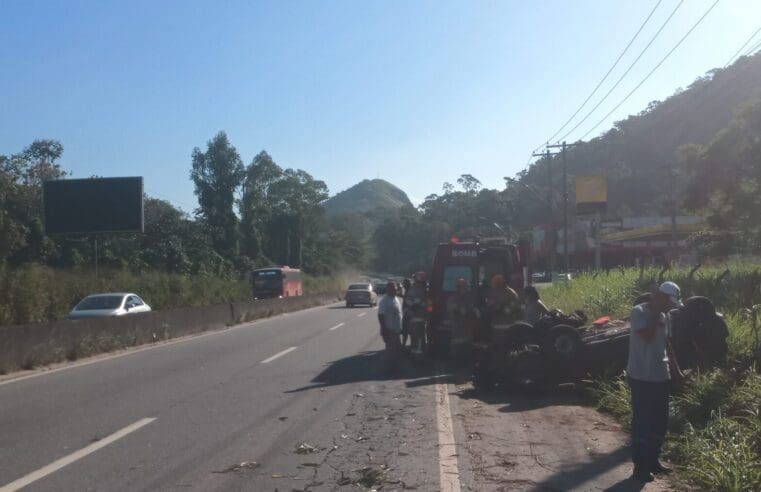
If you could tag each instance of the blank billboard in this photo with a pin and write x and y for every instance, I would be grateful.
(93, 205)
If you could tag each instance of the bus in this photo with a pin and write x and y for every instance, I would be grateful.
(275, 282)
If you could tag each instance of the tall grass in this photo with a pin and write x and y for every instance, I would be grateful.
(715, 425)
(33, 293)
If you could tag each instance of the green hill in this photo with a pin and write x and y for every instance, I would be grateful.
(371, 196)
(640, 154)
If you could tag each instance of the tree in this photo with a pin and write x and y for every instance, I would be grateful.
(255, 205)
(217, 174)
(296, 199)
(725, 179)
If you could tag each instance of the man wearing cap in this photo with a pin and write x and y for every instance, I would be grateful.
(649, 371)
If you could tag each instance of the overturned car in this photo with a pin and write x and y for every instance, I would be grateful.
(562, 348)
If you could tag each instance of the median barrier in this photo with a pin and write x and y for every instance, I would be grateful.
(37, 344)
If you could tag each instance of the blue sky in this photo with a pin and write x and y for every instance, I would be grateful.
(415, 92)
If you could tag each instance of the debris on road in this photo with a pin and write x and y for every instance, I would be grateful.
(239, 467)
(305, 448)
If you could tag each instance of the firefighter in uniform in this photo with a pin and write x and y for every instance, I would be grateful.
(415, 304)
(503, 306)
(461, 313)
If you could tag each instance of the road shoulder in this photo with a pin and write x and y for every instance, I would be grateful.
(551, 441)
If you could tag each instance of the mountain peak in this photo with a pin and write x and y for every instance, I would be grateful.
(368, 195)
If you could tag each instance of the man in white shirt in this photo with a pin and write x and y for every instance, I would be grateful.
(390, 318)
(649, 375)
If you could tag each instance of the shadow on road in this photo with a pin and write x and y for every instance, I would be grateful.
(523, 399)
(369, 366)
(574, 477)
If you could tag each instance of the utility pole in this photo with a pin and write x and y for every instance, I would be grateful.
(564, 146)
(552, 233)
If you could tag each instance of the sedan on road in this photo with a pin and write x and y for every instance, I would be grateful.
(361, 294)
(109, 304)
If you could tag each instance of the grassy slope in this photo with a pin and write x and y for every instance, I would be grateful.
(715, 427)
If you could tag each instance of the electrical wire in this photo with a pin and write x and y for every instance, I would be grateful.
(618, 82)
(752, 49)
(610, 70)
(653, 70)
(742, 47)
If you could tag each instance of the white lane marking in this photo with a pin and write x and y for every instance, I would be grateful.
(449, 473)
(278, 355)
(361, 314)
(144, 348)
(339, 325)
(77, 455)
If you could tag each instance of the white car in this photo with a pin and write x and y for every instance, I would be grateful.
(361, 294)
(109, 304)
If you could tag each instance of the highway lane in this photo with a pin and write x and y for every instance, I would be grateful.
(247, 394)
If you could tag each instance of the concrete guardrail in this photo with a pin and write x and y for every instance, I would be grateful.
(38, 344)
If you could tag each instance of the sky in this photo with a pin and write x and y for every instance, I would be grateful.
(414, 92)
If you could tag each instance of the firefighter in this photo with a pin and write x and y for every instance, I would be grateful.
(415, 304)
(502, 303)
(406, 286)
(461, 312)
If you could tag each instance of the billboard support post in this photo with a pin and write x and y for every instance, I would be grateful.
(95, 243)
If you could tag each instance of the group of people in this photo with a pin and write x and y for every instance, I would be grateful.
(403, 311)
(651, 367)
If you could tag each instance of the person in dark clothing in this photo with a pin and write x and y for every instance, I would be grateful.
(650, 369)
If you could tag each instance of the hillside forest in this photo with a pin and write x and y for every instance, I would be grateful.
(256, 213)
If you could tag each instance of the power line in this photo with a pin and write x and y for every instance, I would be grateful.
(652, 40)
(742, 47)
(653, 70)
(610, 70)
(753, 49)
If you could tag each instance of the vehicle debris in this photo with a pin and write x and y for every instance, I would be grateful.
(239, 467)
(305, 448)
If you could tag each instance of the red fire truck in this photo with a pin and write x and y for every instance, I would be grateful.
(477, 261)
(276, 281)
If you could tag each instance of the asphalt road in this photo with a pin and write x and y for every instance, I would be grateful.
(185, 416)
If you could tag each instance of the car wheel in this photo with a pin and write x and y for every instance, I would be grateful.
(563, 343)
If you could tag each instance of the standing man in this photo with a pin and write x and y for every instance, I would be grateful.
(649, 371)
(390, 318)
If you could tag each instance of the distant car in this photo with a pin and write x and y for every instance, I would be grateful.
(109, 304)
(562, 277)
(361, 294)
(540, 277)
(380, 288)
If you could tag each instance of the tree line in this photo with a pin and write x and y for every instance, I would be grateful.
(672, 157)
(248, 216)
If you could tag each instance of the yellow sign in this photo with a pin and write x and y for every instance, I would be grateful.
(591, 189)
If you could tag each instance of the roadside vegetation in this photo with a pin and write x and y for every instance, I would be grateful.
(715, 426)
(34, 293)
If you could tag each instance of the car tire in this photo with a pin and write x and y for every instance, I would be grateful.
(563, 343)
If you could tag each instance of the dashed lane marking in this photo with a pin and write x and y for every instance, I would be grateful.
(144, 348)
(361, 314)
(278, 355)
(339, 325)
(71, 458)
(449, 473)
